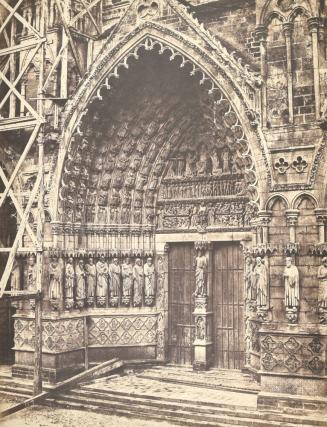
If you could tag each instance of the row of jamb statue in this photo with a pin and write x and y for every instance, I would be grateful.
(257, 283)
(90, 283)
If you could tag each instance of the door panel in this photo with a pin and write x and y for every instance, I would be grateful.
(228, 307)
(181, 288)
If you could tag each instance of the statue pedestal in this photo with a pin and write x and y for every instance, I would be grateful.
(203, 331)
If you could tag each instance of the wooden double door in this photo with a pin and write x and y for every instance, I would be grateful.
(227, 298)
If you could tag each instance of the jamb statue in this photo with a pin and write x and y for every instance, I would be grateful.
(292, 290)
(149, 281)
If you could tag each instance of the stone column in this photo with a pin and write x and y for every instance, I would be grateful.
(162, 302)
(291, 218)
(288, 29)
(261, 35)
(264, 218)
(321, 215)
(202, 313)
(314, 28)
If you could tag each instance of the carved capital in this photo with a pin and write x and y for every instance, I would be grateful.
(202, 245)
(288, 29)
(292, 217)
(291, 249)
(321, 215)
(292, 314)
(56, 227)
(318, 250)
(261, 33)
(264, 249)
(313, 24)
(166, 248)
(264, 217)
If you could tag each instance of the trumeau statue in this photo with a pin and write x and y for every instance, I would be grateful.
(292, 284)
(149, 281)
(201, 265)
(260, 282)
(322, 291)
(55, 279)
(138, 279)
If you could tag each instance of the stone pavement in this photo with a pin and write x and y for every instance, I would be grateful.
(137, 385)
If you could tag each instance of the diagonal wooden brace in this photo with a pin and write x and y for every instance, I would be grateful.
(19, 235)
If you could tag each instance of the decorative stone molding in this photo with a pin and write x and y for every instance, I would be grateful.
(202, 245)
(291, 249)
(122, 330)
(293, 355)
(262, 250)
(318, 249)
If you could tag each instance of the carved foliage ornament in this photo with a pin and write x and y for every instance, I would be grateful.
(147, 9)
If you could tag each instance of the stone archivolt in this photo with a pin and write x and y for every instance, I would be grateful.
(139, 165)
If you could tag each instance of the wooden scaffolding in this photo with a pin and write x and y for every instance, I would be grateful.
(24, 36)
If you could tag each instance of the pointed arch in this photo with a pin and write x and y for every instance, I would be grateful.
(222, 86)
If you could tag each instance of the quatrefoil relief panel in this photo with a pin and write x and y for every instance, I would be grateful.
(147, 9)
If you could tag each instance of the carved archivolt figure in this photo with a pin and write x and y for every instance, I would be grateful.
(322, 276)
(292, 284)
(114, 275)
(30, 274)
(80, 280)
(102, 277)
(260, 282)
(138, 278)
(201, 265)
(91, 272)
(55, 279)
(149, 278)
(127, 275)
(69, 279)
(216, 169)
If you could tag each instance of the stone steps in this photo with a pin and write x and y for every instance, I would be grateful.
(176, 410)
(14, 387)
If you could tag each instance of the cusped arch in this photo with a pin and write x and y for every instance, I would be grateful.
(213, 77)
(271, 6)
(298, 199)
(277, 197)
(273, 15)
(297, 11)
